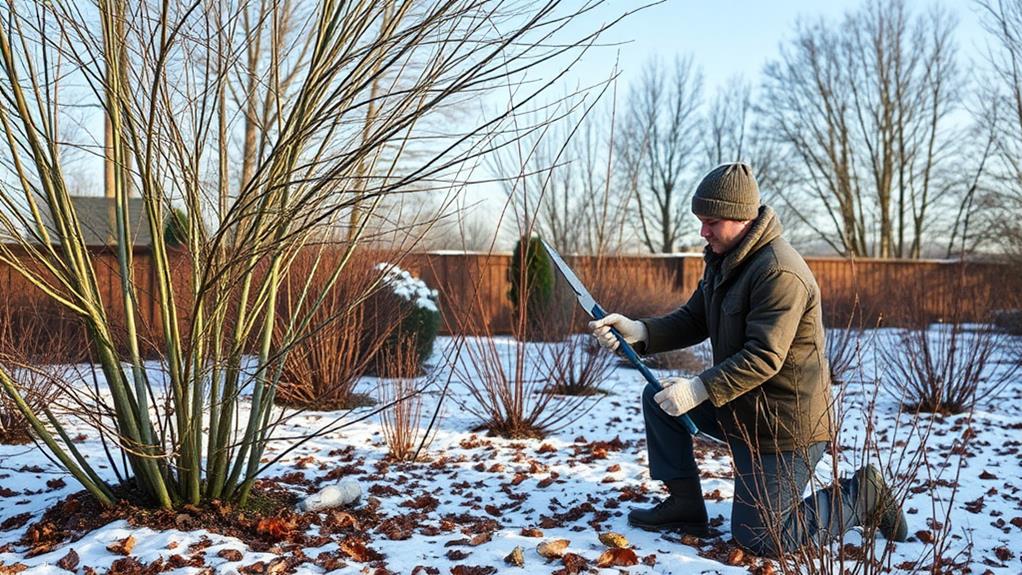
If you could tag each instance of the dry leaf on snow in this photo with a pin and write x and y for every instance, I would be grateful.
(516, 557)
(735, 557)
(617, 557)
(122, 547)
(531, 532)
(480, 538)
(612, 539)
(69, 562)
(230, 554)
(552, 549)
(573, 564)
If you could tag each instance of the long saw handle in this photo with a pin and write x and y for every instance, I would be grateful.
(599, 313)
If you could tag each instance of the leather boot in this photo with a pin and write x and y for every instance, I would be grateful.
(877, 506)
(683, 510)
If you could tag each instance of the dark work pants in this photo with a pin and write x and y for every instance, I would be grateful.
(769, 515)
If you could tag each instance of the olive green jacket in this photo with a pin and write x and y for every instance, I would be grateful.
(760, 306)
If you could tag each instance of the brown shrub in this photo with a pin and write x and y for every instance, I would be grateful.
(634, 295)
(26, 347)
(343, 336)
(503, 376)
(949, 366)
(405, 429)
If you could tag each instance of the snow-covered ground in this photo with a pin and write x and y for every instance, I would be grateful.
(479, 497)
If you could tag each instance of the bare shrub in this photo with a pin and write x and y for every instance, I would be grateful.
(402, 424)
(844, 345)
(346, 332)
(635, 295)
(505, 379)
(949, 367)
(25, 349)
(577, 365)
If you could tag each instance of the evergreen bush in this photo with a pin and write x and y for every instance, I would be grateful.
(408, 302)
(175, 228)
(532, 288)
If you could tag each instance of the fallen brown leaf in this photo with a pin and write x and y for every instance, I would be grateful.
(122, 547)
(735, 556)
(276, 527)
(617, 557)
(516, 557)
(229, 554)
(357, 549)
(472, 570)
(531, 532)
(69, 562)
(343, 519)
(552, 549)
(612, 539)
(1003, 553)
(573, 564)
(329, 562)
(480, 538)
(132, 566)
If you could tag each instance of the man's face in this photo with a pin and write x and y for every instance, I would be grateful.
(722, 235)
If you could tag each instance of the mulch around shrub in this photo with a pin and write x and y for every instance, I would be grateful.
(269, 522)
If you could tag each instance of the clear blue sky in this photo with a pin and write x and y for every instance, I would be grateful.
(729, 37)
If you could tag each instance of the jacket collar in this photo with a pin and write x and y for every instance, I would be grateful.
(765, 229)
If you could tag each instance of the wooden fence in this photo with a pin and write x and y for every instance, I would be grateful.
(888, 292)
(475, 286)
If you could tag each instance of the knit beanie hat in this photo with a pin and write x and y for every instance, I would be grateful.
(729, 192)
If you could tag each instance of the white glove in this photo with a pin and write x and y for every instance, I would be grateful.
(680, 394)
(342, 493)
(633, 331)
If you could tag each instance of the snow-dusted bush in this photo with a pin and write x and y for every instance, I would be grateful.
(409, 311)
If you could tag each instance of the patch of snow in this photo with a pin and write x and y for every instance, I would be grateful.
(558, 485)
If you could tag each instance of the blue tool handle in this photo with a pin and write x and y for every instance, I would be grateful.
(599, 313)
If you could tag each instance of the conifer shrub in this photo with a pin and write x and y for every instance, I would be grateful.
(408, 311)
(532, 280)
(175, 228)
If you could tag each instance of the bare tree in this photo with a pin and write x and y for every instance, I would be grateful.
(734, 133)
(275, 54)
(728, 121)
(658, 146)
(1001, 202)
(864, 108)
(563, 189)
